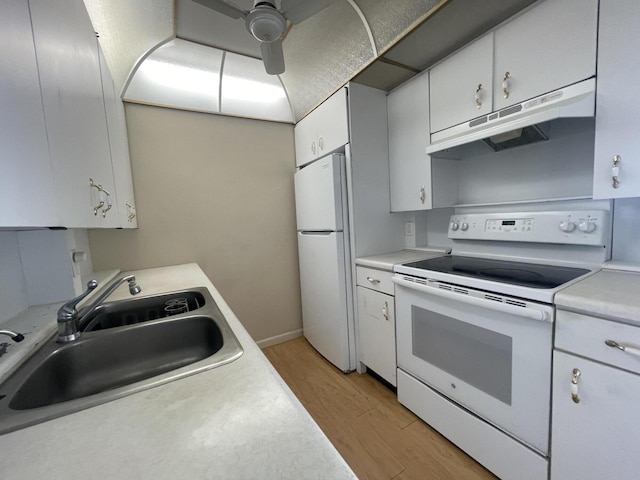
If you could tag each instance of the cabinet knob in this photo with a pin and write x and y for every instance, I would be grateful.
(96, 206)
(375, 281)
(505, 85)
(615, 171)
(478, 96)
(313, 147)
(423, 194)
(624, 348)
(574, 385)
(321, 143)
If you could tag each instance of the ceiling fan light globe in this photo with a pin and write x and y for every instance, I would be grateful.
(266, 24)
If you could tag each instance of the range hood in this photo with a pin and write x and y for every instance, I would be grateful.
(518, 124)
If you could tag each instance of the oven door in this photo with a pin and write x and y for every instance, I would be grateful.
(489, 353)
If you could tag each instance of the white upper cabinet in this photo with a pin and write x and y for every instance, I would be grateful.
(462, 85)
(27, 193)
(617, 145)
(66, 49)
(324, 130)
(411, 170)
(547, 48)
(123, 201)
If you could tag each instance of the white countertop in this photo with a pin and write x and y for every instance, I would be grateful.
(386, 261)
(610, 294)
(237, 421)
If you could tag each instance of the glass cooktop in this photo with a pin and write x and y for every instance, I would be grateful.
(515, 273)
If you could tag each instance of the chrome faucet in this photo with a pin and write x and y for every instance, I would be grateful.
(68, 320)
(16, 337)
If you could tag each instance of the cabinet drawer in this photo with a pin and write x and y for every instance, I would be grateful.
(378, 280)
(585, 335)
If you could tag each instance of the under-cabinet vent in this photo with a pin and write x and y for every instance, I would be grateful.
(461, 290)
(495, 298)
(508, 301)
(478, 121)
(510, 111)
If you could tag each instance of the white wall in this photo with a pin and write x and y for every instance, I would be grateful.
(13, 289)
(626, 231)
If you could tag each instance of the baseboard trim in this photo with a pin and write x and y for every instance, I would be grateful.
(285, 337)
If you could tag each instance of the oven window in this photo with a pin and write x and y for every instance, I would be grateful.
(475, 355)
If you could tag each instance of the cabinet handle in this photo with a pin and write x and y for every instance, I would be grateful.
(624, 348)
(132, 211)
(385, 311)
(423, 194)
(97, 207)
(313, 147)
(373, 280)
(505, 85)
(320, 144)
(478, 98)
(574, 385)
(615, 171)
(109, 204)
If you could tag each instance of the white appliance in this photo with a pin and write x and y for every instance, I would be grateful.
(324, 256)
(514, 125)
(475, 330)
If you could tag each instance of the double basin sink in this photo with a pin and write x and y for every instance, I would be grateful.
(125, 347)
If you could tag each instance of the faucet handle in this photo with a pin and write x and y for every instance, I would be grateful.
(68, 310)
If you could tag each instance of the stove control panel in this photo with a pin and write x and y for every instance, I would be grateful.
(579, 227)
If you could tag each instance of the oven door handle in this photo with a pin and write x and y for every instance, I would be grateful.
(528, 312)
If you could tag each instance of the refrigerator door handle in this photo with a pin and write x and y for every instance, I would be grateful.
(317, 234)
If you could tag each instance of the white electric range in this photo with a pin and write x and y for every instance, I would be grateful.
(475, 329)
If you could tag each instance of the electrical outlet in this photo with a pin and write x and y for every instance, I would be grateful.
(410, 229)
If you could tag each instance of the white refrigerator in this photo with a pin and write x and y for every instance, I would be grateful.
(325, 267)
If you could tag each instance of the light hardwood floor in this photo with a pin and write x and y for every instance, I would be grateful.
(378, 437)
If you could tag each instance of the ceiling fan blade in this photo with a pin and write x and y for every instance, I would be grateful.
(272, 57)
(297, 11)
(224, 7)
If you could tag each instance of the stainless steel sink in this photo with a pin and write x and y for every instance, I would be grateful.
(145, 309)
(110, 363)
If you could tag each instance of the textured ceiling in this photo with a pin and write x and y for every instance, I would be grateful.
(322, 53)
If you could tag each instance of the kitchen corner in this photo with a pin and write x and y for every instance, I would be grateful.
(239, 420)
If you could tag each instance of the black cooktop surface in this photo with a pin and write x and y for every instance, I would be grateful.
(515, 273)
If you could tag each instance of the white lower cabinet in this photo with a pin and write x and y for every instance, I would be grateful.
(376, 322)
(595, 419)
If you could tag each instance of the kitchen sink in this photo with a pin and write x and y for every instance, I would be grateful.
(130, 312)
(117, 360)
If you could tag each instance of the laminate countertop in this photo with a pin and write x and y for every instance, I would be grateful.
(609, 294)
(386, 261)
(237, 421)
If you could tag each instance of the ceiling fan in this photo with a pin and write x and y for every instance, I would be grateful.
(268, 24)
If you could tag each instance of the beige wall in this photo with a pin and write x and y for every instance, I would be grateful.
(217, 191)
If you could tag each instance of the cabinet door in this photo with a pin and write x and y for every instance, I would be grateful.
(616, 102)
(306, 137)
(549, 47)
(66, 48)
(409, 165)
(377, 332)
(123, 201)
(332, 123)
(598, 437)
(27, 194)
(461, 86)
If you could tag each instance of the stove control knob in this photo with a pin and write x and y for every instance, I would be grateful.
(584, 225)
(567, 226)
(464, 227)
(455, 226)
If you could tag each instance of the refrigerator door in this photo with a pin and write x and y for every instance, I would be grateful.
(318, 190)
(325, 319)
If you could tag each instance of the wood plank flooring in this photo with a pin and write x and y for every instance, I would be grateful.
(378, 437)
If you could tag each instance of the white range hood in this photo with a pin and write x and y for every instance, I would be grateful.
(574, 101)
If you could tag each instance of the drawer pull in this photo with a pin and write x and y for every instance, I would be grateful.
(624, 348)
(385, 311)
(574, 386)
(373, 280)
